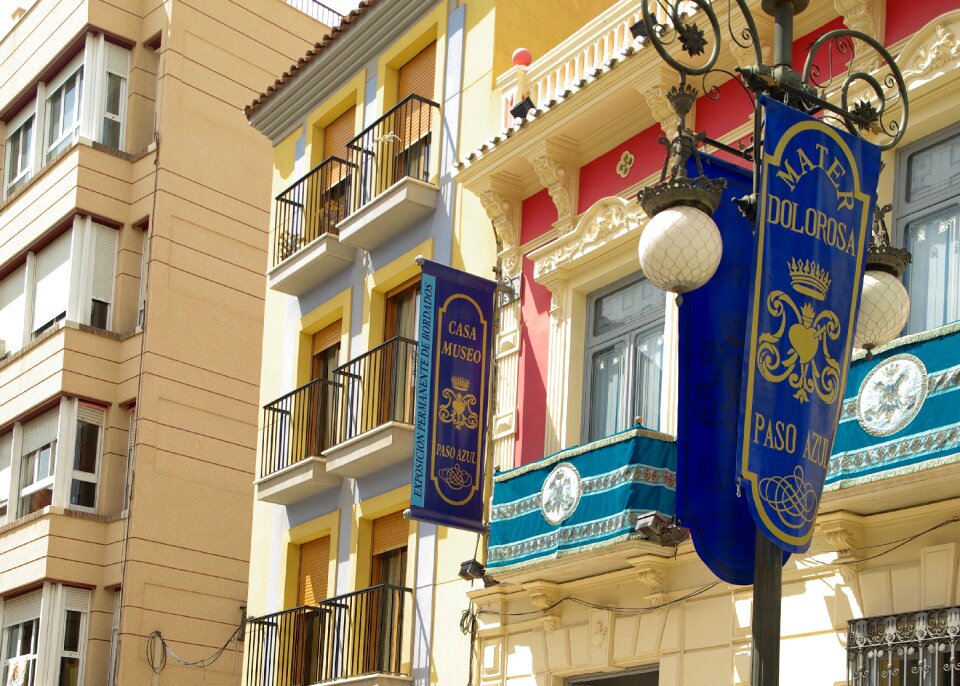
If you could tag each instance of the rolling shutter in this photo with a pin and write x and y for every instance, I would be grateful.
(327, 337)
(40, 431)
(104, 263)
(116, 60)
(53, 280)
(6, 450)
(417, 75)
(76, 599)
(338, 133)
(314, 561)
(21, 609)
(12, 301)
(389, 533)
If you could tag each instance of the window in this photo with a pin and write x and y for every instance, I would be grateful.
(70, 655)
(6, 454)
(19, 155)
(928, 213)
(312, 576)
(86, 457)
(114, 640)
(101, 284)
(623, 358)
(38, 456)
(131, 446)
(12, 304)
(21, 639)
(116, 68)
(63, 112)
(52, 285)
(144, 258)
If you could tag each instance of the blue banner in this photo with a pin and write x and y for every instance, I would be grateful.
(710, 363)
(453, 376)
(813, 226)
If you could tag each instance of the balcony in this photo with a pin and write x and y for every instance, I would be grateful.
(374, 426)
(910, 649)
(296, 429)
(306, 247)
(586, 525)
(362, 637)
(325, 15)
(395, 158)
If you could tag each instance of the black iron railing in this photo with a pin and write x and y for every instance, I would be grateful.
(376, 388)
(298, 425)
(312, 206)
(909, 649)
(319, 11)
(395, 146)
(340, 638)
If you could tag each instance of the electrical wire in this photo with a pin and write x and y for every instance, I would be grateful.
(894, 545)
(157, 664)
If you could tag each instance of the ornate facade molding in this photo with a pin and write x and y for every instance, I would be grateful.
(556, 166)
(859, 16)
(651, 572)
(941, 48)
(504, 212)
(660, 108)
(607, 220)
(544, 596)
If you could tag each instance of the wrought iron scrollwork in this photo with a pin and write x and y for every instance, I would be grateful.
(687, 35)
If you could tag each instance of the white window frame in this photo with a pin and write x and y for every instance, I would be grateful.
(15, 126)
(6, 457)
(594, 343)
(86, 416)
(28, 609)
(75, 68)
(907, 211)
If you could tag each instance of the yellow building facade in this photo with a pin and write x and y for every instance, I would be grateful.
(875, 599)
(365, 128)
(131, 262)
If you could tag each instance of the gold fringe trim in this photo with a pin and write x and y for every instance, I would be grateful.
(891, 473)
(928, 335)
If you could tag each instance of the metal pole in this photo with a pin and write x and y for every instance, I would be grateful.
(765, 626)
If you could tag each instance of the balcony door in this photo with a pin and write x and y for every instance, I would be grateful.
(388, 570)
(322, 415)
(413, 119)
(334, 185)
(309, 627)
(402, 321)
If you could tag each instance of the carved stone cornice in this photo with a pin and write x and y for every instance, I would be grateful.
(859, 15)
(937, 50)
(502, 204)
(606, 221)
(556, 166)
(656, 97)
(652, 573)
(544, 596)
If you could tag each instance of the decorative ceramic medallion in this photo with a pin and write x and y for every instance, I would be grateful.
(891, 395)
(560, 494)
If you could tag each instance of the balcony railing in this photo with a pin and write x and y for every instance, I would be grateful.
(396, 146)
(311, 207)
(340, 638)
(911, 649)
(317, 10)
(377, 388)
(298, 425)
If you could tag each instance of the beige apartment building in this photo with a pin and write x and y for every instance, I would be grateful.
(134, 198)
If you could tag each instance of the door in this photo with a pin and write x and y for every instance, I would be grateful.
(321, 413)
(402, 321)
(388, 569)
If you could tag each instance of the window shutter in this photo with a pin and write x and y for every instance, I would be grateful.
(390, 533)
(117, 60)
(143, 275)
(417, 75)
(91, 414)
(327, 337)
(6, 450)
(21, 609)
(104, 262)
(40, 431)
(12, 301)
(53, 280)
(338, 133)
(314, 561)
(76, 599)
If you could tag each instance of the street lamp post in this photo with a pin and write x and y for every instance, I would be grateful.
(680, 248)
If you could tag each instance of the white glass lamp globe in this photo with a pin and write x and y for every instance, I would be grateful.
(680, 249)
(884, 308)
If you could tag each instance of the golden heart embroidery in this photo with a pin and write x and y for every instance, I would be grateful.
(807, 364)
